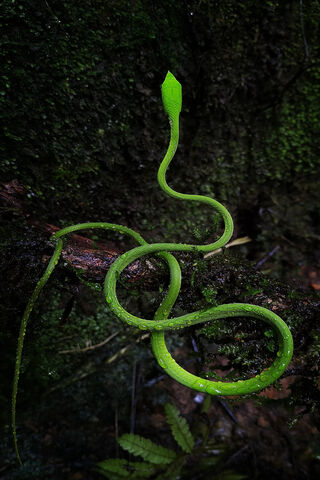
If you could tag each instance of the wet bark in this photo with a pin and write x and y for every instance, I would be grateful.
(92, 259)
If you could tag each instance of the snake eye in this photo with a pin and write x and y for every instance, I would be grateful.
(171, 95)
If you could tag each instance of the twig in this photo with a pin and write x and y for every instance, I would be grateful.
(306, 48)
(263, 260)
(231, 459)
(91, 347)
(89, 368)
(152, 382)
(116, 425)
(195, 348)
(133, 392)
(124, 349)
(237, 241)
(225, 406)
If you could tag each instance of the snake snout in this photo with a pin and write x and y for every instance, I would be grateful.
(171, 91)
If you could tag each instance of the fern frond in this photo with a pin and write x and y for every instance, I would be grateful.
(114, 466)
(121, 468)
(179, 428)
(143, 469)
(146, 449)
(231, 475)
(173, 470)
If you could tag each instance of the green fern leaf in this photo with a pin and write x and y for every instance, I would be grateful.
(173, 470)
(231, 475)
(179, 428)
(146, 449)
(114, 466)
(142, 469)
(120, 468)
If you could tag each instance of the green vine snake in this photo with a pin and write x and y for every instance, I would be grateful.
(172, 101)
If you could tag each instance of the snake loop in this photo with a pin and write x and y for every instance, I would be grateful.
(172, 101)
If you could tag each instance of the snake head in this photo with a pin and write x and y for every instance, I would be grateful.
(171, 95)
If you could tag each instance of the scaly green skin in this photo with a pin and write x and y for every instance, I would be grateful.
(172, 100)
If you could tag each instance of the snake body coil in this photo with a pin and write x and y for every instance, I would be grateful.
(172, 100)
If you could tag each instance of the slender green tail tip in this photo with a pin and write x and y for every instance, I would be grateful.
(171, 95)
